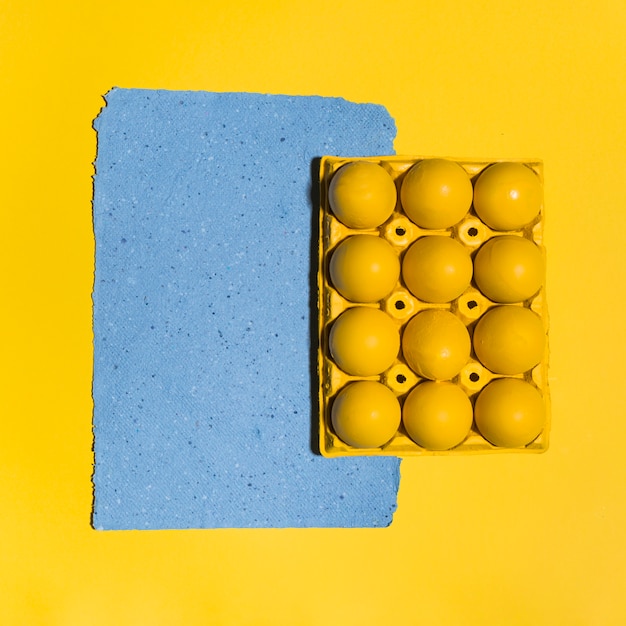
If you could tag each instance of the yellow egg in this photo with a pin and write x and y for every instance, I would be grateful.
(509, 340)
(364, 268)
(437, 416)
(436, 344)
(365, 414)
(362, 195)
(364, 341)
(507, 196)
(436, 193)
(509, 269)
(437, 269)
(509, 413)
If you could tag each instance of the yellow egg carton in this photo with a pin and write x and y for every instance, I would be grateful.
(401, 305)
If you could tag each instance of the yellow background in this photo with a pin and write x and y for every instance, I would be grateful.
(503, 540)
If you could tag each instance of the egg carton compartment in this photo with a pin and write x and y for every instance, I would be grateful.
(400, 305)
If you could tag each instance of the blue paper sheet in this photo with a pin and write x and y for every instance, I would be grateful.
(204, 322)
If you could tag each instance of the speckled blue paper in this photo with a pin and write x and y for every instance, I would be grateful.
(204, 380)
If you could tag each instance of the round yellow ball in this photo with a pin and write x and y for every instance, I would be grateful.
(364, 268)
(437, 269)
(362, 195)
(437, 416)
(365, 414)
(509, 340)
(436, 344)
(364, 341)
(507, 196)
(509, 269)
(436, 193)
(510, 413)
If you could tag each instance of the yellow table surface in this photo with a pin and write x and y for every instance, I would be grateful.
(505, 539)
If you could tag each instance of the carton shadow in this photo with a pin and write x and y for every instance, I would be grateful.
(313, 304)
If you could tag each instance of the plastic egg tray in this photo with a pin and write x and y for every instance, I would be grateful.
(401, 305)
